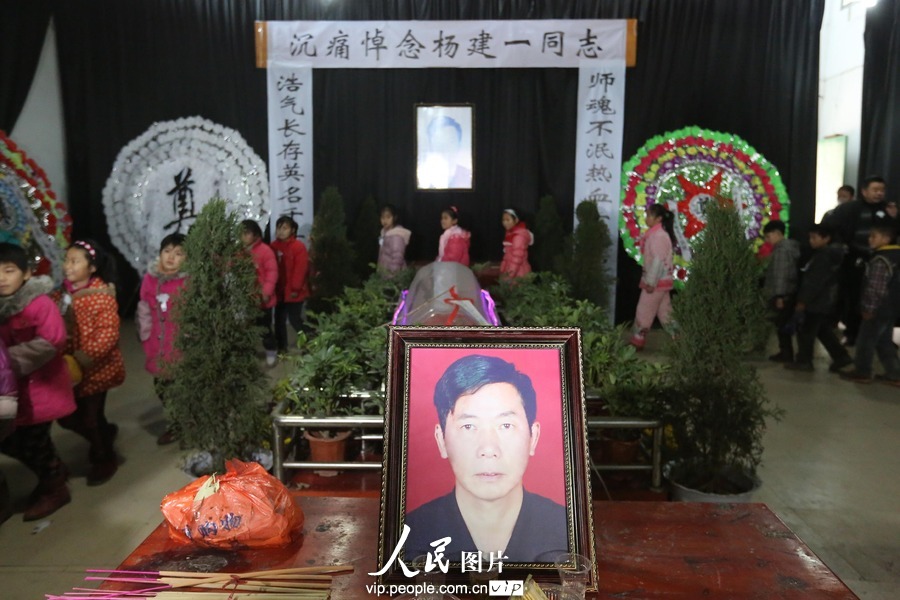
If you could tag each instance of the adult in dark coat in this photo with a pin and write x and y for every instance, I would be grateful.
(851, 223)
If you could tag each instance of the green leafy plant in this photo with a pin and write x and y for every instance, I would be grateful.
(549, 236)
(346, 353)
(218, 396)
(585, 256)
(331, 254)
(366, 229)
(718, 408)
(627, 385)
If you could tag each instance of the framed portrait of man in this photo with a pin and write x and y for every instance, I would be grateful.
(485, 462)
(444, 147)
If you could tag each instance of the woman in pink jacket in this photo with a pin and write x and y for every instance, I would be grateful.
(454, 243)
(267, 276)
(656, 279)
(515, 246)
(157, 329)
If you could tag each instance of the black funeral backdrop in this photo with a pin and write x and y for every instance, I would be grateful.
(749, 68)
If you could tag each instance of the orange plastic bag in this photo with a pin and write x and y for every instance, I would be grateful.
(245, 507)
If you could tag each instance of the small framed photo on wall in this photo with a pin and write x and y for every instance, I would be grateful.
(444, 146)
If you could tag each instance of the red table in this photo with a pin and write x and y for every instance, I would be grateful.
(646, 550)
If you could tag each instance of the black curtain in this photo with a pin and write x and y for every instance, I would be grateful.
(879, 151)
(746, 67)
(23, 25)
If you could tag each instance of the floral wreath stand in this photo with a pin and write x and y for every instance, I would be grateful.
(161, 180)
(30, 214)
(686, 169)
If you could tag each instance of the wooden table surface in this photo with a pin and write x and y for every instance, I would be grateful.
(645, 550)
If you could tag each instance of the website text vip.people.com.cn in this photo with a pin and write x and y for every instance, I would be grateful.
(497, 587)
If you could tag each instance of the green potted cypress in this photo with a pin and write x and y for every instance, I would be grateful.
(218, 395)
(331, 255)
(717, 407)
(585, 256)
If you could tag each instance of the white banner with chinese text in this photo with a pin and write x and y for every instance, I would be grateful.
(290, 145)
(527, 44)
(598, 147)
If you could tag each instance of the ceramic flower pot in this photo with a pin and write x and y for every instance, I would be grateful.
(740, 479)
(327, 449)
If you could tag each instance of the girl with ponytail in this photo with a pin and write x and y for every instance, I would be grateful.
(656, 279)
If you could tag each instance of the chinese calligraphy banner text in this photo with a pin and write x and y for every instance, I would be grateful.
(435, 44)
(598, 151)
(290, 144)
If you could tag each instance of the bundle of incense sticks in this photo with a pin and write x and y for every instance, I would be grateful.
(300, 583)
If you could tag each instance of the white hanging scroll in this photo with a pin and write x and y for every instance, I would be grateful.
(291, 144)
(598, 147)
(530, 44)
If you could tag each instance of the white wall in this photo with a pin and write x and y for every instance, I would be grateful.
(841, 57)
(39, 129)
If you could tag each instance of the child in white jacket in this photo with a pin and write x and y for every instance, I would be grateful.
(656, 278)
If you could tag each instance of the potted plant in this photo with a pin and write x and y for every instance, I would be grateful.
(342, 364)
(717, 408)
(585, 255)
(331, 255)
(619, 382)
(218, 393)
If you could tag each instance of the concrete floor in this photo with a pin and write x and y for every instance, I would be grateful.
(831, 472)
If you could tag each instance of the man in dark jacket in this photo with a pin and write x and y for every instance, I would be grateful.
(816, 301)
(851, 223)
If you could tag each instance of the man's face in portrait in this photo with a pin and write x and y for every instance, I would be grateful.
(488, 441)
(445, 140)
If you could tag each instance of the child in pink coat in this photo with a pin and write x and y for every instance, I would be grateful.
(454, 243)
(156, 327)
(656, 278)
(9, 404)
(33, 330)
(392, 242)
(515, 246)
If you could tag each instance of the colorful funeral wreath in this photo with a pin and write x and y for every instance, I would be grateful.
(30, 214)
(684, 170)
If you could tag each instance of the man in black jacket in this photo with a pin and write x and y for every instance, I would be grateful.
(851, 223)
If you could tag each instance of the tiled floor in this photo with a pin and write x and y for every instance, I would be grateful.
(831, 471)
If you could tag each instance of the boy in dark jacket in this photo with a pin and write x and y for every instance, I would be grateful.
(817, 300)
(879, 308)
(781, 286)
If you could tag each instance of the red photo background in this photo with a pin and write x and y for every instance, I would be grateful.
(429, 476)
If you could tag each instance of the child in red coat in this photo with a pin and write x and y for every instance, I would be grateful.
(515, 246)
(267, 276)
(89, 307)
(292, 289)
(454, 243)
